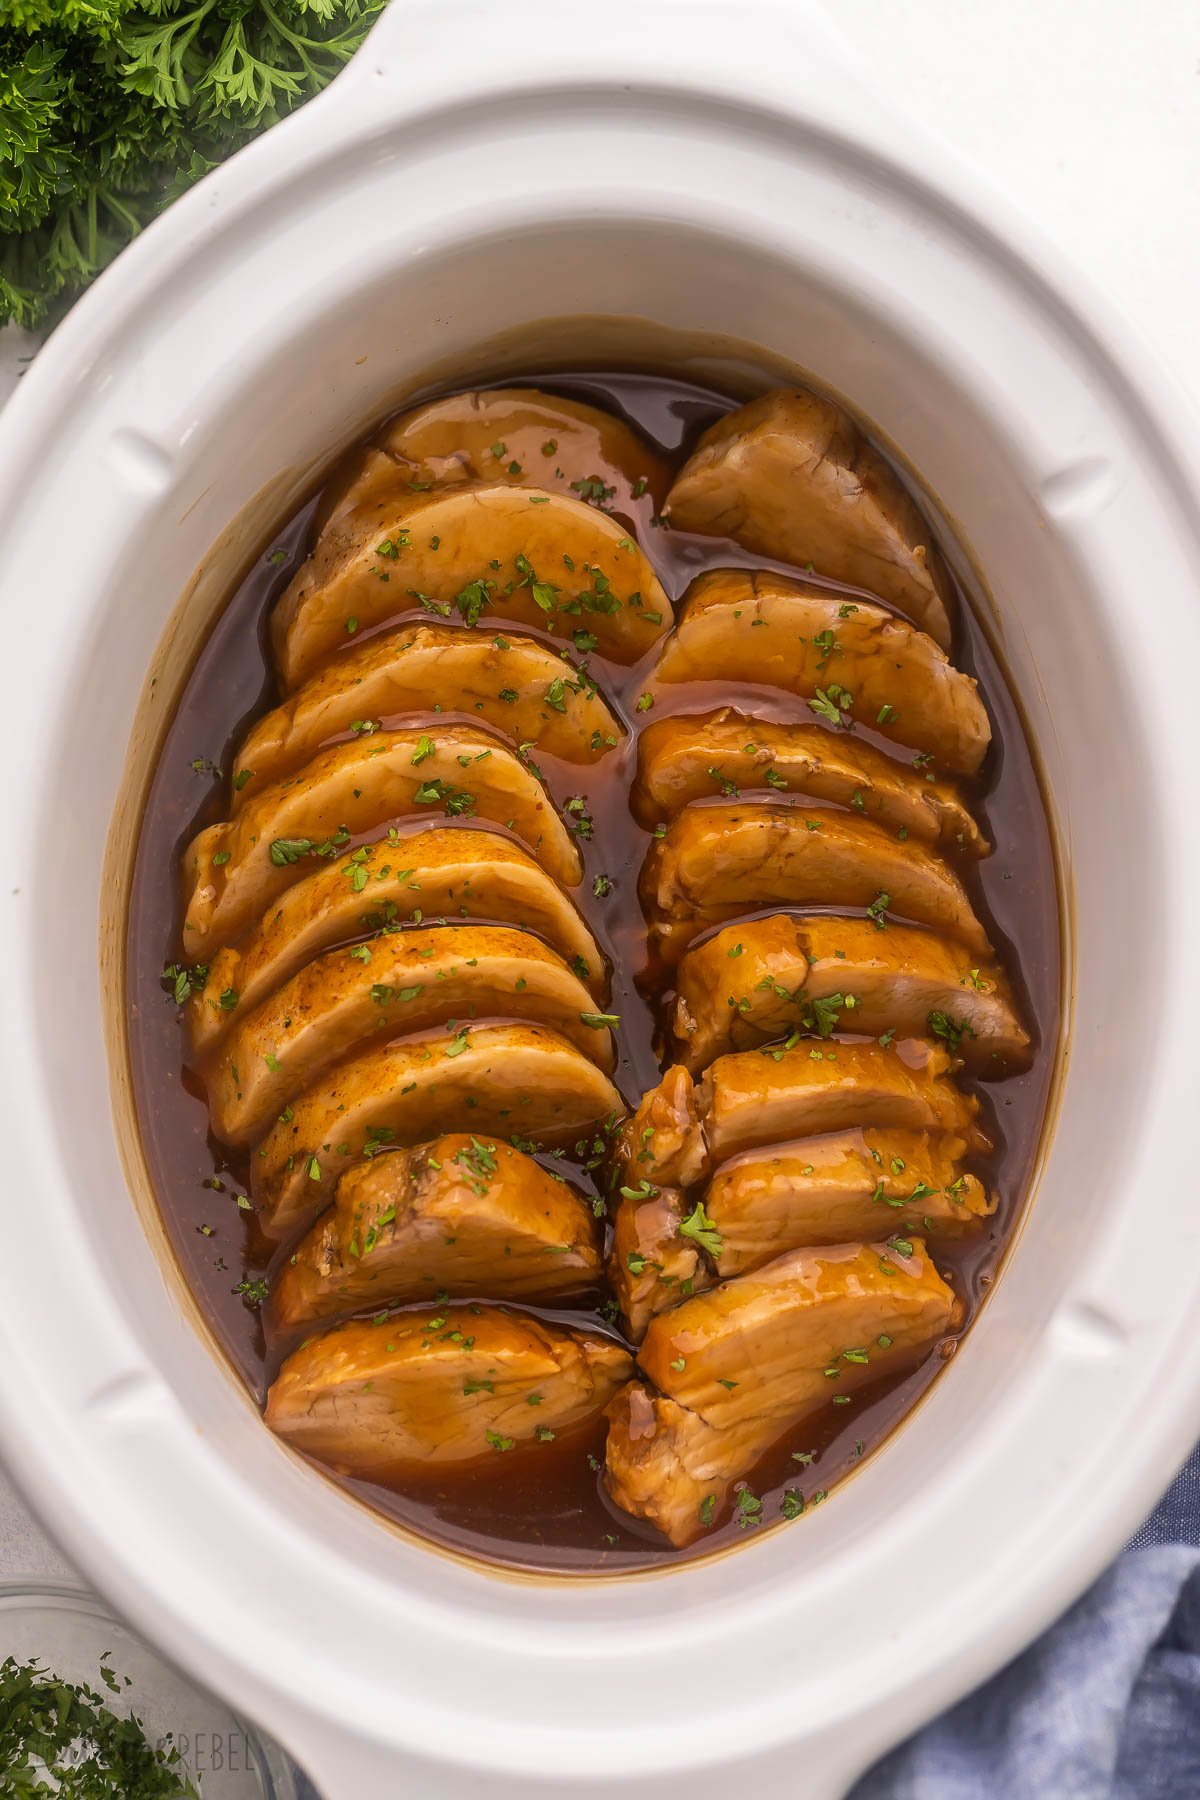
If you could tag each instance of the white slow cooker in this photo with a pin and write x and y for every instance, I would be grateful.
(718, 172)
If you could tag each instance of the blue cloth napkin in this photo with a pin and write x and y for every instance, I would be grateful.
(1105, 1706)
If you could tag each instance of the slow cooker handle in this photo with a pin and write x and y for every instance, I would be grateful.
(347, 1768)
(785, 54)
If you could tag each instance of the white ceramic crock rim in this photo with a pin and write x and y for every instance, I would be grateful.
(740, 72)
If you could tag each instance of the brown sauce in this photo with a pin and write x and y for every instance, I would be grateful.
(549, 1511)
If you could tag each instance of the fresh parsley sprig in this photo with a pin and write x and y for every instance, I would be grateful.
(110, 108)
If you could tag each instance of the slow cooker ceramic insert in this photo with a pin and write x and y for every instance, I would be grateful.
(710, 187)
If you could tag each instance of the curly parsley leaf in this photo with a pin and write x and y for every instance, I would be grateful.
(109, 109)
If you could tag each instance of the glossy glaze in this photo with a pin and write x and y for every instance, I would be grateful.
(549, 1512)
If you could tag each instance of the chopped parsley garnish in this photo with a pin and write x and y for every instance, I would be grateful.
(181, 982)
(579, 819)
(700, 1228)
(821, 1016)
(479, 1160)
(645, 1190)
(592, 488)
(833, 704)
(877, 911)
(472, 599)
(456, 802)
(747, 1510)
(59, 1737)
(950, 1031)
(290, 850)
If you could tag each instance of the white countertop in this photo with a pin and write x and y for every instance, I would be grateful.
(1087, 114)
